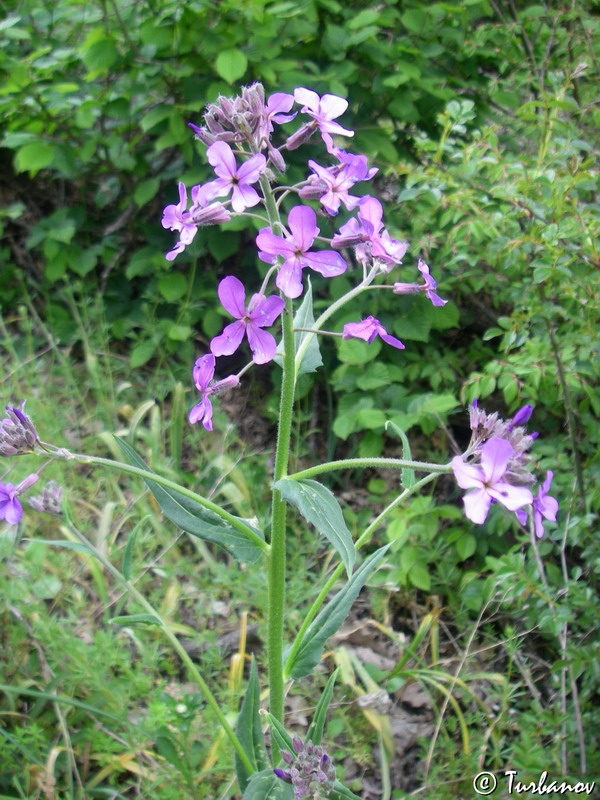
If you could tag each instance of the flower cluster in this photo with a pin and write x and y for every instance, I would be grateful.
(238, 133)
(311, 771)
(497, 467)
(17, 432)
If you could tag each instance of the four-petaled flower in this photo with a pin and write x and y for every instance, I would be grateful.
(486, 482)
(261, 312)
(177, 218)
(544, 507)
(203, 373)
(332, 184)
(232, 178)
(295, 250)
(323, 110)
(428, 287)
(367, 330)
(369, 237)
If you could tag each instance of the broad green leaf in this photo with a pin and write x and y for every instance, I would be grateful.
(265, 785)
(141, 353)
(249, 730)
(167, 748)
(172, 286)
(318, 505)
(136, 619)
(315, 729)
(327, 622)
(355, 351)
(231, 64)
(466, 546)
(195, 519)
(34, 157)
(145, 191)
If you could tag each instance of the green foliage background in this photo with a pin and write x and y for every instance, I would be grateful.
(482, 117)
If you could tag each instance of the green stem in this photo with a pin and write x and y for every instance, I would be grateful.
(277, 554)
(350, 463)
(365, 536)
(147, 475)
(176, 644)
(341, 301)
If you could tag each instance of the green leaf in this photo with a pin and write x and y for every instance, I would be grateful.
(194, 518)
(340, 792)
(145, 191)
(172, 286)
(355, 351)
(408, 475)
(128, 554)
(167, 748)
(327, 622)
(265, 785)
(231, 65)
(419, 576)
(304, 318)
(318, 505)
(77, 546)
(34, 157)
(136, 619)
(465, 546)
(141, 353)
(315, 729)
(249, 730)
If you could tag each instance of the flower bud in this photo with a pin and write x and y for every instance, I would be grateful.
(302, 135)
(50, 500)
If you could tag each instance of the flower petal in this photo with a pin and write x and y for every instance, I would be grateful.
(233, 296)
(228, 342)
(467, 476)
(289, 278)
(333, 106)
(251, 170)
(513, 497)
(262, 344)
(306, 97)
(203, 372)
(477, 505)
(302, 222)
(266, 311)
(220, 156)
(275, 245)
(495, 455)
(244, 196)
(327, 262)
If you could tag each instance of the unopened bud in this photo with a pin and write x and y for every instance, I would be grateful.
(276, 158)
(302, 135)
(50, 500)
(214, 214)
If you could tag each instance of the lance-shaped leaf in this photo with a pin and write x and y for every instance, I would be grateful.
(327, 622)
(315, 729)
(249, 732)
(194, 518)
(318, 505)
(266, 785)
(408, 475)
(304, 318)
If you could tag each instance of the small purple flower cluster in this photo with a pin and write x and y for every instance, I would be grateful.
(311, 772)
(18, 435)
(497, 467)
(238, 135)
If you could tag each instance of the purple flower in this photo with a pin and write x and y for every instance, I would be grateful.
(261, 312)
(276, 104)
(486, 481)
(367, 330)
(428, 287)
(295, 250)
(203, 373)
(232, 178)
(331, 184)
(177, 218)
(11, 509)
(17, 432)
(323, 110)
(544, 506)
(369, 237)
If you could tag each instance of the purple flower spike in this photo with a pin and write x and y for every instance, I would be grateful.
(367, 330)
(323, 110)
(203, 373)
(177, 218)
(232, 178)
(295, 250)
(261, 312)
(544, 507)
(486, 481)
